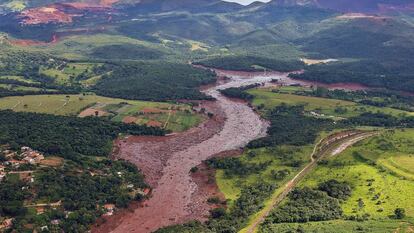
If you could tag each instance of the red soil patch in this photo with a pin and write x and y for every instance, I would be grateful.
(207, 186)
(23, 42)
(92, 112)
(63, 12)
(129, 120)
(153, 111)
(95, 7)
(154, 123)
(44, 15)
(52, 161)
(108, 2)
(106, 224)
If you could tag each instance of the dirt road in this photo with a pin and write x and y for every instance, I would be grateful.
(330, 146)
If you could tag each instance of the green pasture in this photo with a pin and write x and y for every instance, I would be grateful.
(181, 119)
(327, 107)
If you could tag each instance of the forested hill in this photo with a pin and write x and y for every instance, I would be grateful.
(373, 44)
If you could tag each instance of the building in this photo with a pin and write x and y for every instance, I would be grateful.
(109, 208)
(2, 172)
(31, 156)
(6, 224)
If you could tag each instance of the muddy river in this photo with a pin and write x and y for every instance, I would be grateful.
(166, 161)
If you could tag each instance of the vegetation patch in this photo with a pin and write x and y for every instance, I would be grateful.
(154, 81)
(45, 195)
(175, 117)
(65, 136)
(251, 63)
(306, 205)
(126, 51)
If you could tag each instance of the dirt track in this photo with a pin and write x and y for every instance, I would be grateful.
(166, 161)
(331, 146)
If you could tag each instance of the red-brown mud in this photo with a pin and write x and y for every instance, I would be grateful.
(285, 80)
(44, 15)
(178, 196)
(207, 187)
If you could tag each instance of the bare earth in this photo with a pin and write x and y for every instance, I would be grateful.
(166, 161)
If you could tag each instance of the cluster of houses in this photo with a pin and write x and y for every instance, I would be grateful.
(15, 160)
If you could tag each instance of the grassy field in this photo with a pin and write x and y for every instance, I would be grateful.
(66, 75)
(341, 226)
(377, 189)
(393, 151)
(180, 119)
(382, 190)
(16, 5)
(14, 87)
(18, 78)
(81, 46)
(231, 186)
(381, 175)
(323, 106)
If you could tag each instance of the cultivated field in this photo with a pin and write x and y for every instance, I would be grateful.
(67, 74)
(176, 117)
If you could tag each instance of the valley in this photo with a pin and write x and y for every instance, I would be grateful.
(173, 199)
(206, 116)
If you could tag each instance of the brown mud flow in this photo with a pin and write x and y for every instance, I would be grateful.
(166, 161)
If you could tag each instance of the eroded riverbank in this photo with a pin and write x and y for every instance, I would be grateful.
(166, 161)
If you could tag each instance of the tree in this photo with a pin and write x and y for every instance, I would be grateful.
(336, 189)
(217, 212)
(399, 213)
(361, 203)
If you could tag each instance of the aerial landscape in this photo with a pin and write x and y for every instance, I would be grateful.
(207, 116)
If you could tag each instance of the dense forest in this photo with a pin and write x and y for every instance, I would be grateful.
(396, 76)
(126, 51)
(66, 136)
(380, 120)
(302, 129)
(306, 205)
(378, 98)
(155, 81)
